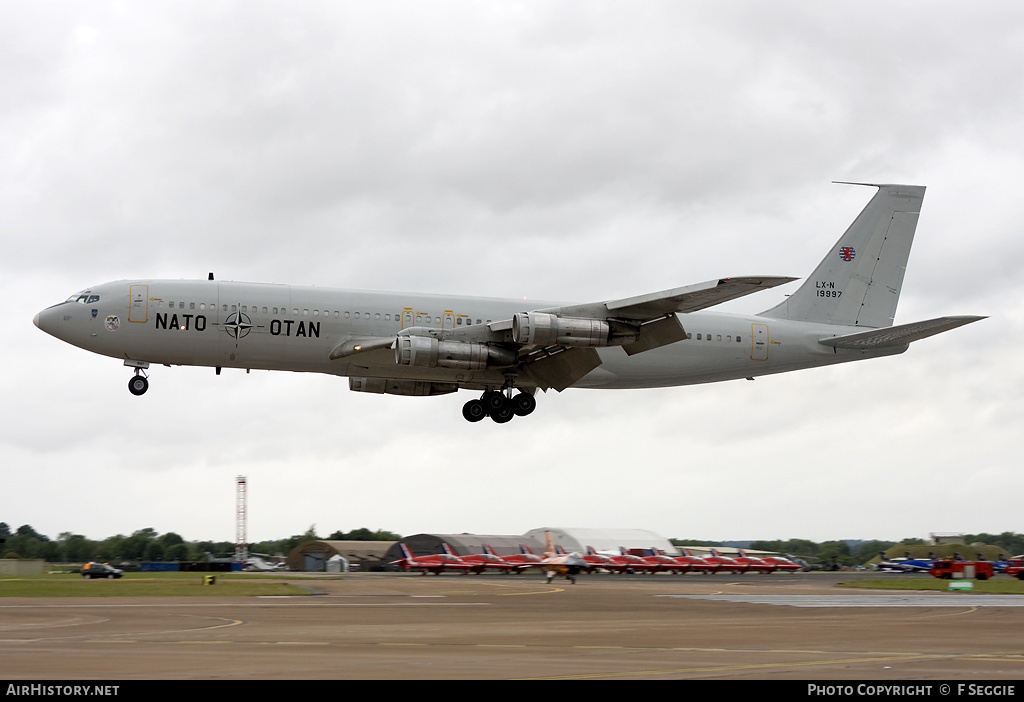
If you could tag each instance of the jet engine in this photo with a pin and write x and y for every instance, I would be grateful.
(543, 329)
(428, 352)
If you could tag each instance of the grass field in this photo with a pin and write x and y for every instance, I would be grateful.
(146, 585)
(999, 585)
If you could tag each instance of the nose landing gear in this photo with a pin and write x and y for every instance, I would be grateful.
(138, 384)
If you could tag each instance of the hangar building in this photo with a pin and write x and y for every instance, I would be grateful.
(312, 556)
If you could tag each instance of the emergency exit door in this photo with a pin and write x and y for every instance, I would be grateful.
(138, 303)
(759, 342)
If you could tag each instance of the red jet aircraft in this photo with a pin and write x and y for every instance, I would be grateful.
(759, 565)
(435, 563)
(524, 560)
(687, 563)
(783, 564)
(487, 559)
(727, 563)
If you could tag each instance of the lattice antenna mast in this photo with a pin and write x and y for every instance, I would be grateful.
(241, 541)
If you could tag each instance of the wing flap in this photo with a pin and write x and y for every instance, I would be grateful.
(898, 335)
(562, 369)
(661, 332)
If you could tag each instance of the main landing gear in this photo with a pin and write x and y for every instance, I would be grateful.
(499, 407)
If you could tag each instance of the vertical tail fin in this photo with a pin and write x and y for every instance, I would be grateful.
(858, 283)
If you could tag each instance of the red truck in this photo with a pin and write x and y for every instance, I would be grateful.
(1015, 568)
(948, 569)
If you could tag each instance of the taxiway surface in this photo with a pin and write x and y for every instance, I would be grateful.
(396, 626)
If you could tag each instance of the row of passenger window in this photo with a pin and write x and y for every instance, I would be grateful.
(337, 314)
(717, 337)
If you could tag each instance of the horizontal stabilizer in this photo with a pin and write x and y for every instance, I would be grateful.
(899, 335)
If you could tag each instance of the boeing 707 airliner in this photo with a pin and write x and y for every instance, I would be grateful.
(415, 344)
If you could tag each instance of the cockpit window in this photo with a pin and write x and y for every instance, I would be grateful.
(84, 298)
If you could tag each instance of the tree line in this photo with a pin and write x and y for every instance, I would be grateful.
(149, 545)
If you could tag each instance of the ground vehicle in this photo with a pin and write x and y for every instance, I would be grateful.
(1015, 568)
(101, 570)
(948, 569)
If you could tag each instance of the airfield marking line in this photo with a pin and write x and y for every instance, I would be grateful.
(77, 621)
(95, 638)
(752, 666)
(400, 643)
(954, 614)
(539, 592)
(297, 643)
(858, 600)
(229, 623)
(761, 666)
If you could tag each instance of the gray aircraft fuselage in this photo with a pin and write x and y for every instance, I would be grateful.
(283, 327)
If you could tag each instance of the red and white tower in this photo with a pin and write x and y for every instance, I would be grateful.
(241, 541)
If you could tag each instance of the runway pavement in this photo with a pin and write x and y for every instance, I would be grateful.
(397, 626)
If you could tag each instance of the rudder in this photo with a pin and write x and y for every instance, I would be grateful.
(858, 283)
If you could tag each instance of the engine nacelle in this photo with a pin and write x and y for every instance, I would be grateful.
(542, 329)
(428, 352)
(391, 386)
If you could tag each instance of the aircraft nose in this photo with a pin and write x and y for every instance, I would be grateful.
(47, 321)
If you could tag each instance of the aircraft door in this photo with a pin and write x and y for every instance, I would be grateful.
(408, 318)
(448, 320)
(759, 342)
(138, 303)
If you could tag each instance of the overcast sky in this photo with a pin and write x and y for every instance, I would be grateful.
(574, 151)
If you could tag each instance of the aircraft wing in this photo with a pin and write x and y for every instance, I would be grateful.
(898, 335)
(652, 316)
(555, 347)
(685, 299)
